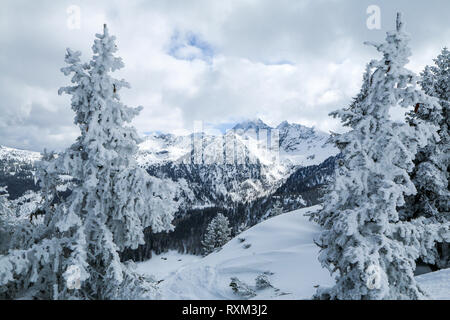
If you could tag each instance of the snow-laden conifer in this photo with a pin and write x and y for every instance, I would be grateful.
(5, 206)
(432, 164)
(364, 245)
(431, 172)
(6, 213)
(17, 229)
(217, 234)
(112, 199)
(277, 209)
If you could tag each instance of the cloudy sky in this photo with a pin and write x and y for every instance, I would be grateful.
(216, 61)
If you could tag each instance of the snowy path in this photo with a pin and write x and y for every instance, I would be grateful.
(166, 264)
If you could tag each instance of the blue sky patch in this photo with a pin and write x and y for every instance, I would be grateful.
(189, 46)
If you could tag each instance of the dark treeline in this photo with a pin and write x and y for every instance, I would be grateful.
(18, 177)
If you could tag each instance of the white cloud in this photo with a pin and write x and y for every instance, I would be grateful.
(216, 61)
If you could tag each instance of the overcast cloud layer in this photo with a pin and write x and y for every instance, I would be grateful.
(216, 61)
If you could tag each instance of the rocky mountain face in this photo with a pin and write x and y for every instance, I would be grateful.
(241, 173)
(248, 162)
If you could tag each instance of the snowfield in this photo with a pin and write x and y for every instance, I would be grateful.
(281, 247)
(161, 266)
(437, 284)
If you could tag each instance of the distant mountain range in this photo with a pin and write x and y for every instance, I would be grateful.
(250, 161)
(298, 144)
(242, 173)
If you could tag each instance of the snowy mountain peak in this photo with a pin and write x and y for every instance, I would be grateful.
(298, 144)
(256, 125)
(283, 124)
(298, 129)
(302, 145)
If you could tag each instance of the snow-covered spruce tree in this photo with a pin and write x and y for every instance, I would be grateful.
(5, 206)
(217, 234)
(112, 199)
(432, 163)
(277, 209)
(17, 230)
(353, 110)
(362, 242)
(5, 215)
(431, 173)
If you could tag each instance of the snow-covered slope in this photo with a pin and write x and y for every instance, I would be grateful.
(281, 248)
(166, 264)
(25, 156)
(436, 284)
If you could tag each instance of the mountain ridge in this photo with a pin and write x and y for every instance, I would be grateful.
(237, 173)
